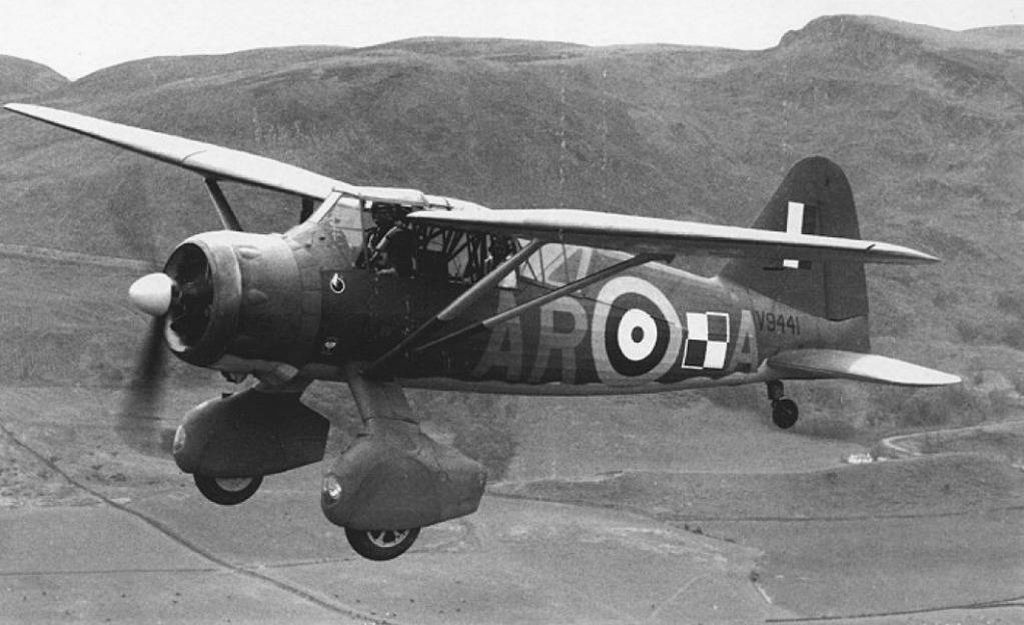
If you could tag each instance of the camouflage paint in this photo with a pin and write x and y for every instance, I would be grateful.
(652, 328)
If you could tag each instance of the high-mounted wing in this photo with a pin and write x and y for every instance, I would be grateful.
(210, 160)
(834, 363)
(637, 235)
(650, 235)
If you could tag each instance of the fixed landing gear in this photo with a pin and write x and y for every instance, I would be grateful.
(381, 544)
(784, 411)
(227, 491)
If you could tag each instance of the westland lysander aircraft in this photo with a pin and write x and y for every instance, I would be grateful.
(441, 293)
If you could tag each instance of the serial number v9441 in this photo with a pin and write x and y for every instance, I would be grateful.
(770, 322)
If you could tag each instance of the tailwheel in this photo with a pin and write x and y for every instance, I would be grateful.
(381, 544)
(784, 413)
(227, 491)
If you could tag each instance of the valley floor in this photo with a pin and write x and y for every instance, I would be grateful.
(654, 518)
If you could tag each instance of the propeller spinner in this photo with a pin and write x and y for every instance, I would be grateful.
(153, 293)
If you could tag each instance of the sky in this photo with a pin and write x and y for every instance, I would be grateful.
(77, 37)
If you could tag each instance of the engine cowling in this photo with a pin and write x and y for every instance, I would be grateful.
(251, 433)
(395, 476)
(240, 302)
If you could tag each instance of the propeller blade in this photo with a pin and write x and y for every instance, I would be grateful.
(138, 423)
(152, 293)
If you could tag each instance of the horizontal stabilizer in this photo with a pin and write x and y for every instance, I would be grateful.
(650, 235)
(207, 159)
(834, 363)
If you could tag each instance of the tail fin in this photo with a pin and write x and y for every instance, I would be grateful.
(814, 198)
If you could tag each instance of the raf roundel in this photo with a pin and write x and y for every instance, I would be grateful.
(636, 332)
(637, 335)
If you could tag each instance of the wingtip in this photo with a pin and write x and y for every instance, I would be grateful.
(23, 109)
(948, 379)
(926, 376)
(902, 254)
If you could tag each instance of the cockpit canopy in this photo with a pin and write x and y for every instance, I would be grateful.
(437, 253)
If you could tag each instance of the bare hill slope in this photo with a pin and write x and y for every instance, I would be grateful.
(20, 78)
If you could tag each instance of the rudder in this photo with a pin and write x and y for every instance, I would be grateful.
(814, 198)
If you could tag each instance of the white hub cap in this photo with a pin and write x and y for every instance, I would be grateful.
(233, 484)
(385, 539)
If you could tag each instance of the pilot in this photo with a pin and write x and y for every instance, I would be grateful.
(499, 250)
(389, 244)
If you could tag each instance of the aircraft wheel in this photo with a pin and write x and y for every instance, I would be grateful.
(227, 491)
(784, 413)
(381, 544)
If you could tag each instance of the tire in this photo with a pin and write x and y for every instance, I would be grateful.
(381, 545)
(227, 491)
(784, 413)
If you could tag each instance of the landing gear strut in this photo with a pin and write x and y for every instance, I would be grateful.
(784, 411)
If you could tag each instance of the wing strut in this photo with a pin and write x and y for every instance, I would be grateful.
(536, 302)
(458, 305)
(227, 216)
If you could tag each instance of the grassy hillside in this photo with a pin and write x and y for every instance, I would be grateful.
(927, 123)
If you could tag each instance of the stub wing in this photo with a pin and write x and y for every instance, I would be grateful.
(649, 235)
(834, 363)
(207, 159)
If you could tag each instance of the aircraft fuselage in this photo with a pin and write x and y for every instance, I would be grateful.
(648, 329)
(654, 328)
(298, 302)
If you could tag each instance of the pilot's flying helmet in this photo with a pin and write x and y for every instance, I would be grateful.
(384, 209)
